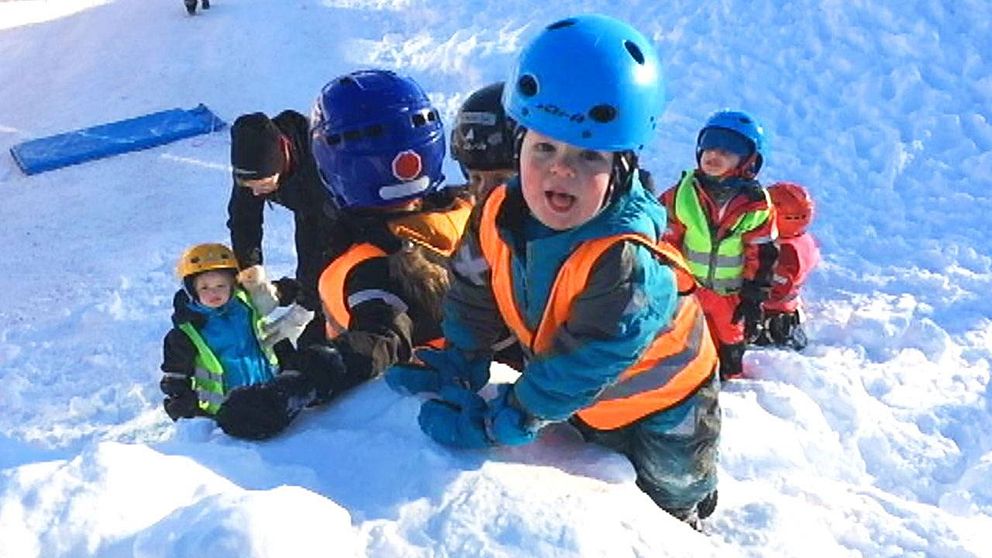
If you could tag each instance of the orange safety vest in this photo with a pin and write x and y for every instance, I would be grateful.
(680, 358)
(438, 231)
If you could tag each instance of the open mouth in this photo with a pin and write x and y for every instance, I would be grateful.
(559, 201)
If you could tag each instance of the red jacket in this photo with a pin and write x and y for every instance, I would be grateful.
(797, 257)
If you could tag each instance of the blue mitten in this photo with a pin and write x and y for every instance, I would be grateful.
(462, 419)
(509, 425)
(457, 419)
(439, 368)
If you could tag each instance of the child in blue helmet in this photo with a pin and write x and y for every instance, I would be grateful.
(379, 146)
(723, 221)
(568, 257)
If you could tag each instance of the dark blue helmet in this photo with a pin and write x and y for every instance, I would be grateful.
(377, 140)
(736, 132)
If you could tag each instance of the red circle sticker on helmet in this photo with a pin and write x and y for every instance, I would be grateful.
(407, 165)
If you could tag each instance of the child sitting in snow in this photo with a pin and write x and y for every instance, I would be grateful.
(379, 147)
(722, 220)
(218, 341)
(567, 256)
(798, 254)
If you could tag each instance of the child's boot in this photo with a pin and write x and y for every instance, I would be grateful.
(190, 6)
(205, 4)
(786, 330)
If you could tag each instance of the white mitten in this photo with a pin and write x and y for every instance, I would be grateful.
(263, 294)
(288, 326)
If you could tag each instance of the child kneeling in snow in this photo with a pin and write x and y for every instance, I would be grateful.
(219, 340)
(568, 256)
(798, 254)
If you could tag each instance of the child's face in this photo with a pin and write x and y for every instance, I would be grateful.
(262, 186)
(718, 162)
(213, 288)
(481, 181)
(564, 185)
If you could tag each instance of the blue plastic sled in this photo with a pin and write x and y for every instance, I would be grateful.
(133, 134)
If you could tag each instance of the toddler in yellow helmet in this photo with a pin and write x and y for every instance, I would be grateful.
(220, 340)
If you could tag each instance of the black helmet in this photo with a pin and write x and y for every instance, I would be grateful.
(483, 136)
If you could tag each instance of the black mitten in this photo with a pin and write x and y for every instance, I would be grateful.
(288, 290)
(324, 368)
(185, 405)
(749, 309)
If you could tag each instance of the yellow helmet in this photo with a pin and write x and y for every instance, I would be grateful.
(205, 257)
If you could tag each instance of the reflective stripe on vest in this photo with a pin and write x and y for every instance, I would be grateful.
(332, 294)
(679, 359)
(208, 375)
(331, 286)
(718, 264)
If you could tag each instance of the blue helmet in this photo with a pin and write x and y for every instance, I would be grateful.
(590, 81)
(737, 132)
(377, 140)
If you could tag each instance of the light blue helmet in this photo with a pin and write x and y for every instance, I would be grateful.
(737, 132)
(591, 81)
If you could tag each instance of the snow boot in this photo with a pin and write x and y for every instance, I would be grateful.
(205, 4)
(190, 6)
(707, 505)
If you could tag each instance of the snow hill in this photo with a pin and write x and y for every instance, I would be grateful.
(876, 441)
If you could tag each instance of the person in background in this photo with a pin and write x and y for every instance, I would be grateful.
(272, 163)
(191, 6)
(379, 147)
(568, 257)
(798, 255)
(722, 220)
(219, 339)
(482, 141)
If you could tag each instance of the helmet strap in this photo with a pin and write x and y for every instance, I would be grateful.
(287, 154)
(621, 175)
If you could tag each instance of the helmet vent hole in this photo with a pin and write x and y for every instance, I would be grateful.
(333, 139)
(348, 80)
(635, 51)
(561, 24)
(603, 113)
(374, 131)
(527, 85)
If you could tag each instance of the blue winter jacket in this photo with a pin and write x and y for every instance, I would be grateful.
(229, 333)
(629, 298)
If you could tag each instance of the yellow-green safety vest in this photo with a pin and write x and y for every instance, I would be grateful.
(208, 377)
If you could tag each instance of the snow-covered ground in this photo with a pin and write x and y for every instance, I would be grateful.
(876, 441)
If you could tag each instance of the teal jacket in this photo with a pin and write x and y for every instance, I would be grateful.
(629, 298)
